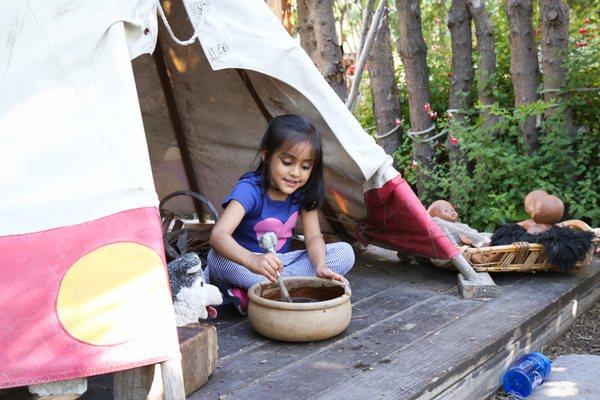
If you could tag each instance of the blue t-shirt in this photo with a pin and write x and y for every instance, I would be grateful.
(263, 215)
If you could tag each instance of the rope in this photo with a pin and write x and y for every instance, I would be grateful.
(434, 137)
(413, 135)
(456, 110)
(549, 91)
(570, 90)
(388, 133)
(191, 40)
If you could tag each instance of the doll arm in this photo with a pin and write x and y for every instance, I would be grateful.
(576, 224)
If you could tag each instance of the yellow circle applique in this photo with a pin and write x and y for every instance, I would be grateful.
(112, 294)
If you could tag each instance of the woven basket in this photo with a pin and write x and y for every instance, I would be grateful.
(518, 257)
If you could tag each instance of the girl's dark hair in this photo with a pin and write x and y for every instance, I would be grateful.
(284, 132)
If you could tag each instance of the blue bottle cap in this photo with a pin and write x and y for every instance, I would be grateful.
(517, 382)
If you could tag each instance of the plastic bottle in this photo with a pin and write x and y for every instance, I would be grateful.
(528, 372)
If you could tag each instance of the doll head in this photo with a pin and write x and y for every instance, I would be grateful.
(444, 210)
(531, 198)
(548, 210)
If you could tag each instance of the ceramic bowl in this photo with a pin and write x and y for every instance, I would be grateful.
(326, 316)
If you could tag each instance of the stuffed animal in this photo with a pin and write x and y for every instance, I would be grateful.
(445, 216)
(192, 297)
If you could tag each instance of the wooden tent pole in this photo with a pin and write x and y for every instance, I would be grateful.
(177, 125)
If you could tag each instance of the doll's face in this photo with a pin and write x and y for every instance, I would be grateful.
(532, 198)
(548, 210)
(444, 210)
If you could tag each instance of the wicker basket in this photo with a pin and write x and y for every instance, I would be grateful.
(517, 257)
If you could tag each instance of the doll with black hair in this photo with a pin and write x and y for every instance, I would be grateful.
(564, 243)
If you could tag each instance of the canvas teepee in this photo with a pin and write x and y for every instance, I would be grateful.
(84, 290)
(243, 70)
(84, 285)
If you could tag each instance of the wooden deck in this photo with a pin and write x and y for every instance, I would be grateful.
(411, 337)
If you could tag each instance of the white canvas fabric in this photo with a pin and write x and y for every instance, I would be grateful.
(72, 144)
(252, 38)
(223, 124)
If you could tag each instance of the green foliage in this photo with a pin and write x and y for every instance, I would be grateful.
(488, 188)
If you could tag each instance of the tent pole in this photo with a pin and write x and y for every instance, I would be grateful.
(177, 125)
(338, 228)
(474, 285)
(261, 106)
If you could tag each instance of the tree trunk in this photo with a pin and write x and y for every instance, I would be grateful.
(305, 27)
(459, 24)
(342, 10)
(329, 59)
(486, 66)
(413, 52)
(386, 103)
(524, 69)
(555, 41)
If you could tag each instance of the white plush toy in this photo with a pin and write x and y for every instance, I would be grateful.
(192, 297)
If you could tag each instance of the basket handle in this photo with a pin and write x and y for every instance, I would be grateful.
(212, 210)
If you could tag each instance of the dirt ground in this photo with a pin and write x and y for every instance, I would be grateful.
(582, 338)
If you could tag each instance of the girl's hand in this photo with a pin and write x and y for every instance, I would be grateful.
(324, 272)
(265, 264)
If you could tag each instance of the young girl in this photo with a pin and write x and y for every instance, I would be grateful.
(287, 183)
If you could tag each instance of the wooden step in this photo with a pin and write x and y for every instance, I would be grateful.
(198, 346)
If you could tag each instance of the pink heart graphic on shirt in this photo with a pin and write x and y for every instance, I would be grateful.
(282, 230)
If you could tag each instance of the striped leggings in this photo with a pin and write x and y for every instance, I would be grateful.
(226, 274)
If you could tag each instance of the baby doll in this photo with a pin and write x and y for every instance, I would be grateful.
(445, 216)
(545, 211)
(563, 246)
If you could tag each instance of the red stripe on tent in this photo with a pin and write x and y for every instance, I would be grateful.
(55, 325)
(396, 217)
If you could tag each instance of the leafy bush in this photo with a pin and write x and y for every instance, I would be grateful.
(488, 188)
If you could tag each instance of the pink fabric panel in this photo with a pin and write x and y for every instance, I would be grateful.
(34, 345)
(396, 218)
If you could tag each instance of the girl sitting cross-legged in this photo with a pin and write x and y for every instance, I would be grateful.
(287, 184)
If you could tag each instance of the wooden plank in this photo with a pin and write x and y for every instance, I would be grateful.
(198, 346)
(377, 281)
(429, 365)
(275, 370)
(246, 364)
(372, 274)
(486, 378)
(138, 384)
